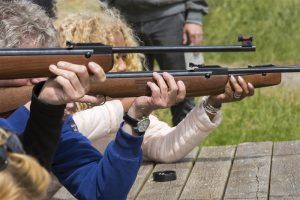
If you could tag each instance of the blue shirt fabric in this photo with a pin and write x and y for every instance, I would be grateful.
(17, 121)
(81, 168)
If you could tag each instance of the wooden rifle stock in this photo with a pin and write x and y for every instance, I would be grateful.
(14, 67)
(195, 85)
(134, 87)
(263, 80)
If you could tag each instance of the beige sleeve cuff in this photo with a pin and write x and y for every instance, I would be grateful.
(101, 120)
(204, 119)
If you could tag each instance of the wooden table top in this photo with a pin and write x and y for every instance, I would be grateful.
(261, 170)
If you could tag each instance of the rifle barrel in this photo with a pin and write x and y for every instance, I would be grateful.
(208, 71)
(176, 49)
(263, 70)
(141, 74)
(84, 50)
(45, 51)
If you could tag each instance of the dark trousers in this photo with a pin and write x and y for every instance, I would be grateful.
(166, 31)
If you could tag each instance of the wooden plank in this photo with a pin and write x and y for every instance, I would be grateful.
(53, 187)
(171, 189)
(250, 173)
(142, 177)
(63, 194)
(285, 176)
(210, 173)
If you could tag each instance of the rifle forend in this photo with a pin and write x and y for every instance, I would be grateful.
(210, 80)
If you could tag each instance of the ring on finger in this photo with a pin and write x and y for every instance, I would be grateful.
(236, 95)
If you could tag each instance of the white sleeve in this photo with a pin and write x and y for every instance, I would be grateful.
(99, 121)
(163, 143)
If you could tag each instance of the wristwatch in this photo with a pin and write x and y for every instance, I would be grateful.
(139, 126)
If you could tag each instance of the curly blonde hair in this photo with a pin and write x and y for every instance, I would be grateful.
(101, 28)
(22, 177)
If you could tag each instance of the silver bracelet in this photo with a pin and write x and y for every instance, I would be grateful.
(209, 108)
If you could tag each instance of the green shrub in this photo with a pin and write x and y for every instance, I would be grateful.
(274, 25)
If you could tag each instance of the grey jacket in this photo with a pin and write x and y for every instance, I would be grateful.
(147, 10)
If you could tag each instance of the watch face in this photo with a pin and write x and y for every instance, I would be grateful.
(143, 125)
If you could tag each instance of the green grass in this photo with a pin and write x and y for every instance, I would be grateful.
(271, 115)
(66, 7)
(274, 25)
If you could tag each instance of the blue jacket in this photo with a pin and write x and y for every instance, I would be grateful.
(81, 168)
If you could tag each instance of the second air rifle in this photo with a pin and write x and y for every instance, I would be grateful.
(200, 81)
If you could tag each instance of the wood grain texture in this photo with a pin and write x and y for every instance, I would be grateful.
(144, 172)
(14, 67)
(171, 189)
(63, 194)
(250, 173)
(285, 174)
(210, 173)
(259, 80)
(136, 86)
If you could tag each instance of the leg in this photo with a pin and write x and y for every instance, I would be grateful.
(168, 32)
(180, 110)
(145, 41)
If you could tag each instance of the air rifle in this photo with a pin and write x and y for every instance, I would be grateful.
(34, 62)
(202, 80)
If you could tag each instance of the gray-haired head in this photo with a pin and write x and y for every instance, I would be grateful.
(21, 22)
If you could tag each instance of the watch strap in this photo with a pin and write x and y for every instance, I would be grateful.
(131, 121)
